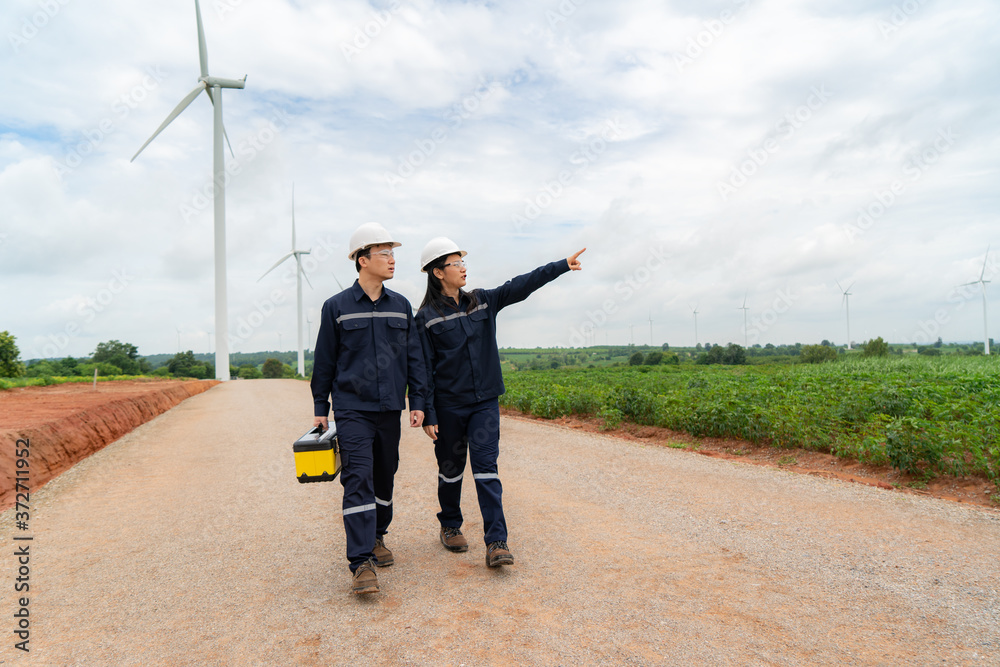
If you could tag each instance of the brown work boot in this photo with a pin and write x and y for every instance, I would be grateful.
(497, 554)
(383, 556)
(453, 540)
(364, 580)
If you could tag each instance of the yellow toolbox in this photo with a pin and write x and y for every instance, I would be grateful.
(317, 455)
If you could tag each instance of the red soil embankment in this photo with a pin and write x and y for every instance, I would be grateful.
(67, 423)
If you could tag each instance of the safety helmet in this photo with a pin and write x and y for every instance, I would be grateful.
(437, 248)
(369, 234)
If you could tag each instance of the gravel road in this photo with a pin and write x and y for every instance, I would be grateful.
(189, 542)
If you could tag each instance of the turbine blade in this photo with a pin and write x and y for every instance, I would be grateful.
(838, 285)
(276, 265)
(173, 114)
(293, 216)
(982, 273)
(974, 282)
(208, 89)
(202, 49)
(305, 275)
(849, 288)
(337, 281)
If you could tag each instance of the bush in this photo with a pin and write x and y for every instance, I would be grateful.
(250, 372)
(272, 369)
(636, 359)
(875, 348)
(654, 358)
(817, 354)
(103, 368)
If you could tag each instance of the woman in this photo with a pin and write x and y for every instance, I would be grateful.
(462, 414)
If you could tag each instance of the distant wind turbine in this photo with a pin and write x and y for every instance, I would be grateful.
(695, 311)
(847, 303)
(299, 275)
(650, 328)
(745, 309)
(982, 283)
(212, 86)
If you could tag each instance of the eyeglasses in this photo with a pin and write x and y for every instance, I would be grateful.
(387, 252)
(460, 264)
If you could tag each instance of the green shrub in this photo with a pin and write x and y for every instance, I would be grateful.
(817, 354)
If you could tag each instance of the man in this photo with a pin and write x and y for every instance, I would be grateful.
(367, 354)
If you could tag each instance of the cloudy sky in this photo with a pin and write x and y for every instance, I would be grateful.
(707, 154)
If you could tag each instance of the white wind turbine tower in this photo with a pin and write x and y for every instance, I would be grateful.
(982, 283)
(745, 309)
(651, 328)
(847, 303)
(213, 88)
(299, 275)
(695, 311)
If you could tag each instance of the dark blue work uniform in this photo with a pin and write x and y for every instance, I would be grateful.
(464, 384)
(367, 353)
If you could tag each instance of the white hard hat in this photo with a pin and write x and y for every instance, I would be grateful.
(369, 234)
(436, 248)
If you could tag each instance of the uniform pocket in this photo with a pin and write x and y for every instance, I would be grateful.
(356, 333)
(447, 335)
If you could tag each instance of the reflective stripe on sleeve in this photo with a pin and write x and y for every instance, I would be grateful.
(486, 475)
(450, 479)
(384, 503)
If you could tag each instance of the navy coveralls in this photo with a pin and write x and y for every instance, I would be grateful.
(367, 353)
(464, 382)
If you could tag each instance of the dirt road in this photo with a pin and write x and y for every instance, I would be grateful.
(189, 542)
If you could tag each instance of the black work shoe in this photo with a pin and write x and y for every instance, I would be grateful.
(383, 556)
(498, 554)
(364, 580)
(453, 540)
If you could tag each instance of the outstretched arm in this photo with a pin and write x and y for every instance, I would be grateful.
(519, 288)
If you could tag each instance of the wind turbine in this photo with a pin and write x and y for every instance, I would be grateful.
(982, 283)
(695, 311)
(745, 309)
(847, 303)
(299, 275)
(651, 328)
(213, 88)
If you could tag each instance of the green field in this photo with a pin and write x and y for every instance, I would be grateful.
(921, 415)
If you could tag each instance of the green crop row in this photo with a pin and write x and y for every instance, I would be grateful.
(920, 415)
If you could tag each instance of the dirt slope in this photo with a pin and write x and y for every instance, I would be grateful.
(189, 542)
(68, 422)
